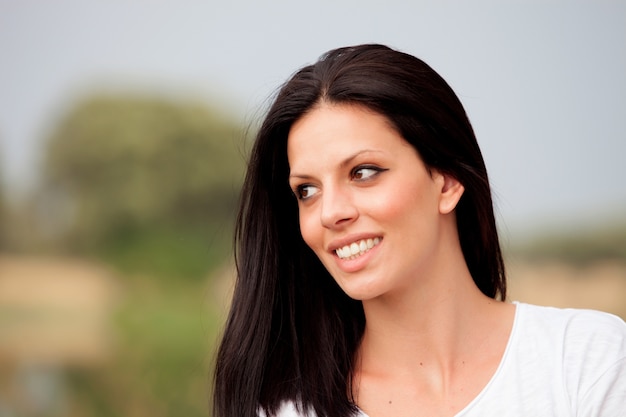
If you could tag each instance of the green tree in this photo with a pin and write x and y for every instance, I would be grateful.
(145, 182)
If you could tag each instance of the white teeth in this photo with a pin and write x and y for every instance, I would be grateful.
(354, 249)
(357, 249)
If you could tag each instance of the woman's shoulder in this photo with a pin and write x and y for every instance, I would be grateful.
(578, 331)
(572, 323)
(289, 409)
(588, 344)
(571, 361)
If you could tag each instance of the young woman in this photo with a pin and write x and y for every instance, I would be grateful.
(370, 278)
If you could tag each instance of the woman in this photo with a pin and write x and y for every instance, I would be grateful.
(370, 277)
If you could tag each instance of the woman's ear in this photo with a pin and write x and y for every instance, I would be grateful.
(451, 192)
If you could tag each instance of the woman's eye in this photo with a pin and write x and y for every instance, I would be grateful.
(306, 191)
(365, 172)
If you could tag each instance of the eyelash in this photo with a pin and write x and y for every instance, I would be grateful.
(299, 191)
(377, 170)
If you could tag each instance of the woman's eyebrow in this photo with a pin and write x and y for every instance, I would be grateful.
(301, 176)
(350, 158)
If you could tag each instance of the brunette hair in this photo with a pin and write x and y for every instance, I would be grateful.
(292, 333)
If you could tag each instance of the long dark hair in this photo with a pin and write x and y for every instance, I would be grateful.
(292, 333)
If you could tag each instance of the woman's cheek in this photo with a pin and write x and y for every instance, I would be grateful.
(307, 229)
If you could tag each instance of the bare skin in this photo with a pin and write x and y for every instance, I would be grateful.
(431, 347)
(430, 359)
(432, 340)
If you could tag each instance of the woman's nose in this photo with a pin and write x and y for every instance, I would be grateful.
(338, 208)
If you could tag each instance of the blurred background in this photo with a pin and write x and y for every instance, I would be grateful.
(124, 127)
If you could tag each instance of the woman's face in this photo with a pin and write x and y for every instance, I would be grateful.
(368, 206)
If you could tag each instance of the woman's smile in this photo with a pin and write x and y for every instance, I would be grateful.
(368, 206)
(356, 249)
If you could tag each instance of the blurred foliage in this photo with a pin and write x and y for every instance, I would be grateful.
(145, 183)
(578, 247)
(165, 335)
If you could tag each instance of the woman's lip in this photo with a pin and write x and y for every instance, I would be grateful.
(346, 241)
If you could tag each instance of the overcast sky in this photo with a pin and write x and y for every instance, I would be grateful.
(544, 82)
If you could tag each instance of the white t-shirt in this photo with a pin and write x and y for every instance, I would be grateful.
(558, 362)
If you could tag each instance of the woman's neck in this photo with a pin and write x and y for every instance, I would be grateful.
(436, 341)
(431, 321)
